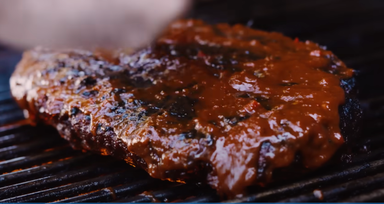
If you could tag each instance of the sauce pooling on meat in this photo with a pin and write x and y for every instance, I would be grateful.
(225, 104)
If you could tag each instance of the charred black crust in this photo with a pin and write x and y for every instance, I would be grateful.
(77, 130)
(350, 112)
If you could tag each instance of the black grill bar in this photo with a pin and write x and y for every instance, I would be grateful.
(167, 195)
(212, 197)
(8, 107)
(372, 154)
(339, 190)
(58, 179)
(22, 136)
(77, 188)
(11, 117)
(31, 147)
(44, 170)
(374, 196)
(113, 193)
(297, 187)
(27, 161)
(13, 127)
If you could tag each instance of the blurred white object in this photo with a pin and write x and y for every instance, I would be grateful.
(85, 23)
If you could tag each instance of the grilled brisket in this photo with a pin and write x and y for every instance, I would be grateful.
(222, 104)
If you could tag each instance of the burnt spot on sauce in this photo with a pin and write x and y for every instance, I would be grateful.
(118, 107)
(264, 102)
(100, 129)
(140, 102)
(140, 82)
(194, 134)
(259, 74)
(51, 70)
(107, 129)
(87, 117)
(213, 123)
(152, 109)
(243, 95)
(234, 120)
(63, 80)
(284, 125)
(188, 87)
(120, 110)
(119, 90)
(209, 140)
(218, 57)
(182, 107)
(126, 80)
(74, 111)
(288, 84)
(266, 149)
(218, 31)
(90, 93)
(61, 64)
(88, 81)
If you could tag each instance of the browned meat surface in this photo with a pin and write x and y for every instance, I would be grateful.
(225, 105)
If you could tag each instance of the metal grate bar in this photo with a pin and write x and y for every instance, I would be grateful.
(8, 107)
(27, 161)
(5, 96)
(78, 187)
(213, 197)
(44, 170)
(14, 127)
(297, 187)
(374, 196)
(8, 118)
(167, 195)
(113, 193)
(371, 154)
(58, 179)
(338, 190)
(19, 137)
(31, 147)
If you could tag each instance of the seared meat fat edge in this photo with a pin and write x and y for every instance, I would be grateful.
(223, 104)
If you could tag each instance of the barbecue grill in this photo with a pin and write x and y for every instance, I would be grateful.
(36, 165)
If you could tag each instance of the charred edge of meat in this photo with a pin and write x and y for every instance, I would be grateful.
(350, 114)
(350, 121)
(105, 141)
(262, 166)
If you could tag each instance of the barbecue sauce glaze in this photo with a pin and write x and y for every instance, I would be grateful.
(227, 105)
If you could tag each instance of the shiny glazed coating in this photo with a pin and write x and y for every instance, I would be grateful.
(225, 105)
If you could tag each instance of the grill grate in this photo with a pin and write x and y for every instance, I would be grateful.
(36, 165)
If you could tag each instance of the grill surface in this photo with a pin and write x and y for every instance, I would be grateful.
(36, 165)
